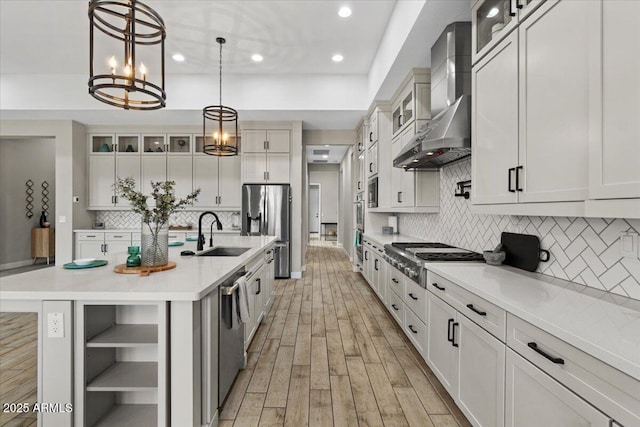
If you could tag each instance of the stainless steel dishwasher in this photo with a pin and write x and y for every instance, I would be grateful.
(231, 358)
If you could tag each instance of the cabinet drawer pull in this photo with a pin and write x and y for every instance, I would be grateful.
(511, 12)
(411, 329)
(118, 237)
(394, 280)
(259, 286)
(475, 310)
(449, 322)
(370, 136)
(413, 297)
(453, 334)
(534, 346)
(91, 235)
(438, 287)
(395, 307)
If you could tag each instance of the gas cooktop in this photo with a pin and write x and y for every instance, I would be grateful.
(449, 256)
(421, 245)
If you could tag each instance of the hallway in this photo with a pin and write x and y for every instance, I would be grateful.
(329, 354)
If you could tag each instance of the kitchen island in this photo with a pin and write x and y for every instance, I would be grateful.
(151, 336)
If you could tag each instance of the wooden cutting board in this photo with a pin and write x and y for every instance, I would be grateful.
(143, 271)
(522, 251)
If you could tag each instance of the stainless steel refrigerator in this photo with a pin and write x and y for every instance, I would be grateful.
(266, 210)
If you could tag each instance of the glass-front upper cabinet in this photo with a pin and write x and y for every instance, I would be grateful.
(179, 144)
(128, 144)
(154, 144)
(492, 20)
(102, 144)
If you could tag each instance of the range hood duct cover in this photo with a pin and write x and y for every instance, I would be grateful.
(447, 136)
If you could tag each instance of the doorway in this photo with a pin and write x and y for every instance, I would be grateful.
(314, 210)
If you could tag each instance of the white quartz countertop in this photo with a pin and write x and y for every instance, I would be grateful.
(602, 325)
(193, 278)
(384, 239)
(137, 230)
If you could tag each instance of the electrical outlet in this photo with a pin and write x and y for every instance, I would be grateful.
(629, 245)
(55, 325)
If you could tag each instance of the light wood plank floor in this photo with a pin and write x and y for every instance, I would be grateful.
(18, 366)
(329, 354)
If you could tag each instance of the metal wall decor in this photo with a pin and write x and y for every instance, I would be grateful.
(142, 32)
(220, 120)
(45, 198)
(29, 198)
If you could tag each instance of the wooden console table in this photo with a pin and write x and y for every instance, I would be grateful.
(43, 243)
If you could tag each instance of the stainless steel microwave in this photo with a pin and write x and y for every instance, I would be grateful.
(373, 193)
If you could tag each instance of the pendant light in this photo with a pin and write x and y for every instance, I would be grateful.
(217, 141)
(120, 78)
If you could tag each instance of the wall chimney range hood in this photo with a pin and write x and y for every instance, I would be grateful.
(447, 136)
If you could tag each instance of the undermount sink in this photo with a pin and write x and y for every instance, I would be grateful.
(224, 251)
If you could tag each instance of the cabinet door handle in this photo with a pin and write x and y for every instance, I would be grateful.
(413, 297)
(518, 5)
(375, 264)
(394, 280)
(411, 329)
(400, 120)
(453, 334)
(264, 175)
(511, 190)
(359, 183)
(475, 310)
(106, 248)
(511, 12)
(399, 196)
(370, 136)
(268, 175)
(449, 330)
(366, 255)
(534, 346)
(518, 168)
(370, 167)
(264, 145)
(259, 286)
(395, 307)
(438, 287)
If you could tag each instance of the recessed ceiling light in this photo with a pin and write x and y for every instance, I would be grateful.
(337, 58)
(178, 57)
(256, 57)
(344, 12)
(324, 156)
(493, 12)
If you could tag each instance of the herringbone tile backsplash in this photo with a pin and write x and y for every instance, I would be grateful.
(127, 219)
(583, 250)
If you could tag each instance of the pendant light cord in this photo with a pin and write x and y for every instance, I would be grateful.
(220, 75)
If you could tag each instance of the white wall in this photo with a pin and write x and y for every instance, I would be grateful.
(327, 176)
(20, 160)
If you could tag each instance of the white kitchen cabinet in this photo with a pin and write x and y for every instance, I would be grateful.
(278, 165)
(101, 180)
(442, 354)
(535, 399)
(468, 361)
(495, 124)
(266, 156)
(372, 161)
(555, 101)
(269, 280)
(219, 181)
(97, 244)
(481, 373)
(372, 136)
(415, 329)
(210, 318)
(256, 306)
(180, 170)
(108, 161)
(412, 189)
(230, 183)
(154, 168)
(614, 154)
(259, 141)
(412, 101)
(548, 138)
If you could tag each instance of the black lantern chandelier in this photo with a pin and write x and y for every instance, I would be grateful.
(217, 141)
(122, 81)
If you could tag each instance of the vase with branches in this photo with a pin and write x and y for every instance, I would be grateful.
(155, 219)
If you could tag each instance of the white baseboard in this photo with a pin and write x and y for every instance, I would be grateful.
(15, 264)
(296, 274)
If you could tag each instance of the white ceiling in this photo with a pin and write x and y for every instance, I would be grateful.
(44, 58)
(334, 153)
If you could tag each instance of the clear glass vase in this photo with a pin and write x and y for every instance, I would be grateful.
(155, 244)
